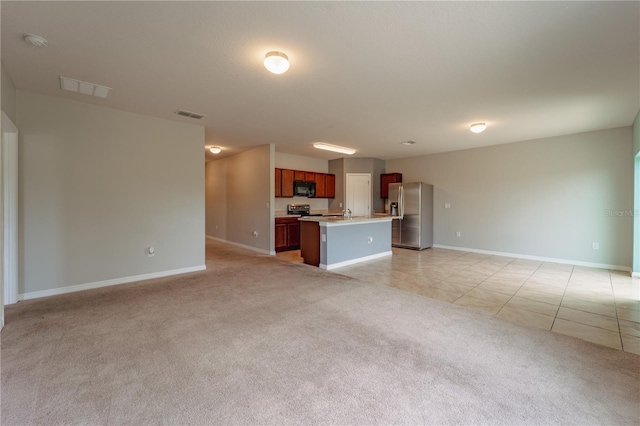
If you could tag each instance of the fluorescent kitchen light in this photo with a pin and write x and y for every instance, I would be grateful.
(334, 148)
(86, 88)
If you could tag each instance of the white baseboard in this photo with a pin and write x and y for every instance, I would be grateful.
(233, 243)
(540, 258)
(107, 283)
(353, 261)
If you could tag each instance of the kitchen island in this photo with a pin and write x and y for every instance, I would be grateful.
(333, 242)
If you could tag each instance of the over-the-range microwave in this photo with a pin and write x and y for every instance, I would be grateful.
(303, 188)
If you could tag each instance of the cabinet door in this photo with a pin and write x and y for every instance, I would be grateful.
(385, 180)
(299, 175)
(309, 176)
(321, 185)
(281, 237)
(278, 184)
(287, 183)
(293, 236)
(330, 186)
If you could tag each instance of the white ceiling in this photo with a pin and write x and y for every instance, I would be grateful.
(366, 75)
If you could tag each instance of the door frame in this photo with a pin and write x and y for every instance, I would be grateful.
(347, 190)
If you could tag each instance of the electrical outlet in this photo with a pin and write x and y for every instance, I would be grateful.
(255, 234)
(340, 205)
(596, 246)
(151, 251)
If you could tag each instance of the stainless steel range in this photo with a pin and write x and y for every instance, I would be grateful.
(301, 209)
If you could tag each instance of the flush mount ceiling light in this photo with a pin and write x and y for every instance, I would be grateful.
(408, 143)
(478, 127)
(276, 62)
(35, 40)
(215, 150)
(334, 148)
(83, 87)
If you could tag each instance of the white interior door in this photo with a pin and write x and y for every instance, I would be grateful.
(358, 196)
(9, 186)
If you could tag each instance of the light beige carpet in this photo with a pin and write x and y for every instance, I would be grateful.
(255, 340)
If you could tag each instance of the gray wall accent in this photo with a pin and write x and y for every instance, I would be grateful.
(548, 197)
(336, 167)
(216, 198)
(340, 167)
(349, 242)
(239, 196)
(8, 95)
(379, 167)
(374, 167)
(297, 162)
(97, 186)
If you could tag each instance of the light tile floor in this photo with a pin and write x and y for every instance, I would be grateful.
(598, 305)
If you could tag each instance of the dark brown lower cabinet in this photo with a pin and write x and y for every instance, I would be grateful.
(287, 234)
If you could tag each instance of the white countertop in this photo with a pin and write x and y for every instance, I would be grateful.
(341, 221)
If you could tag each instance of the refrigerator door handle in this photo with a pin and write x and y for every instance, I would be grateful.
(401, 202)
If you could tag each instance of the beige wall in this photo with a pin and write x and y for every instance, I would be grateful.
(8, 95)
(97, 186)
(239, 198)
(547, 197)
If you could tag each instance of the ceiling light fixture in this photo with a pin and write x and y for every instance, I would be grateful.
(478, 127)
(35, 40)
(73, 85)
(215, 150)
(276, 62)
(334, 148)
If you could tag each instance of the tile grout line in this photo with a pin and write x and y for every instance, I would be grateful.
(615, 306)
(521, 285)
(573, 268)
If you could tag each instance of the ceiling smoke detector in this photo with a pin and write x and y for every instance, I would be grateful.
(35, 40)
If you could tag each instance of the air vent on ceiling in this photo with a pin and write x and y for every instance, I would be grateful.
(189, 114)
(91, 89)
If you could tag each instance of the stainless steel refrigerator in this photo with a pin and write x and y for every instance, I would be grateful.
(411, 205)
